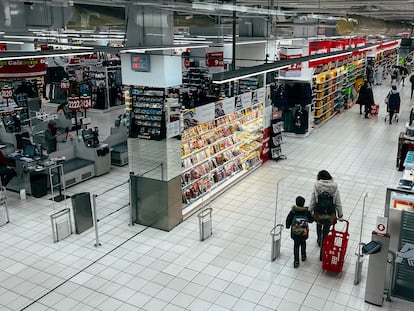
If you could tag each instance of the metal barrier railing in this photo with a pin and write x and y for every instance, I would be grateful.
(95, 214)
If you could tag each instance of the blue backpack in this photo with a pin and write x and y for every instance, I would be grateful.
(300, 226)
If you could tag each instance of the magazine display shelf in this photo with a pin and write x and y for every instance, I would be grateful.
(216, 153)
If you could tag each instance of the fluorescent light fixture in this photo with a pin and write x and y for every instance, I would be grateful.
(238, 8)
(250, 42)
(250, 75)
(143, 50)
(44, 55)
(12, 42)
(71, 47)
(184, 41)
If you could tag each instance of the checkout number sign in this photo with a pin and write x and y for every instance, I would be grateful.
(381, 227)
(140, 62)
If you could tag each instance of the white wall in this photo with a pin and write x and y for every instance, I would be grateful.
(165, 71)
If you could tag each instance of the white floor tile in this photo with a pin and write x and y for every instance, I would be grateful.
(157, 270)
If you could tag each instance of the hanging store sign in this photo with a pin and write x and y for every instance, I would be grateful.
(23, 68)
(215, 61)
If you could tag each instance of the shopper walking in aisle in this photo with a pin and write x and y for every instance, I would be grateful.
(393, 101)
(412, 84)
(403, 73)
(298, 221)
(394, 75)
(365, 98)
(325, 205)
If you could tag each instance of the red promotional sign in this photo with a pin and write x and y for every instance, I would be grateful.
(215, 59)
(3, 47)
(23, 68)
(319, 47)
(326, 60)
(292, 67)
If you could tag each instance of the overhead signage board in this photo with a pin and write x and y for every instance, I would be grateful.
(140, 62)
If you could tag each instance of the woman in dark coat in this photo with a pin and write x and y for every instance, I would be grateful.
(365, 98)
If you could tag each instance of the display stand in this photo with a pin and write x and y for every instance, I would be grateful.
(214, 152)
(276, 136)
(57, 170)
(148, 114)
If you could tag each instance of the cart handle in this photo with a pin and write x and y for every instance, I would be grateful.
(343, 220)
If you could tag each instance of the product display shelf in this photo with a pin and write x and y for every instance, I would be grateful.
(195, 78)
(225, 152)
(248, 84)
(328, 93)
(147, 115)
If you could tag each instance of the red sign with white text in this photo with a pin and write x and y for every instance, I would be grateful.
(23, 68)
(215, 59)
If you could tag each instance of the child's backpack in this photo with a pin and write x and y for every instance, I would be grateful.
(324, 204)
(300, 226)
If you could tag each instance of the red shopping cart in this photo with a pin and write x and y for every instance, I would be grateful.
(334, 248)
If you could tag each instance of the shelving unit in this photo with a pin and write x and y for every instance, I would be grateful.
(195, 78)
(248, 84)
(148, 113)
(328, 91)
(216, 152)
(332, 90)
(173, 108)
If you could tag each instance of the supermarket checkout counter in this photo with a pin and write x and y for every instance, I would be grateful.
(117, 142)
(85, 157)
(32, 169)
(38, 131)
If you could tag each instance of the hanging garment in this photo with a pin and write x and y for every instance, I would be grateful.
(305, 94)
(288, 120)
(280, 97)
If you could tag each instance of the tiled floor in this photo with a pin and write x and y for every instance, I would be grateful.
(139, 268)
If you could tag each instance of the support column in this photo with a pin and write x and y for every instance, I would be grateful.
(147, 27)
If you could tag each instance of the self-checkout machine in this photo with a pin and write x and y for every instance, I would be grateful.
(399, 208)
(377, 249)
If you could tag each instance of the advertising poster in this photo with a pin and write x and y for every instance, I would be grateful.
(173, 129)
(228, 105)
(205, 113)
(246, 100)
(261, 95)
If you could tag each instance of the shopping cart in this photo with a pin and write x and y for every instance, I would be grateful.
(334, 248)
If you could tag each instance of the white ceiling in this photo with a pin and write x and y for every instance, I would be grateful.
(17, 16)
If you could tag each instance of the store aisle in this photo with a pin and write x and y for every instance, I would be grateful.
(139, 268)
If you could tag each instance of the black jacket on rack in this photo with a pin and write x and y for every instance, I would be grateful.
(300, 125)
(279, 96)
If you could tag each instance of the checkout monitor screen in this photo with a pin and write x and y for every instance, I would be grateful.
(29, 151)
